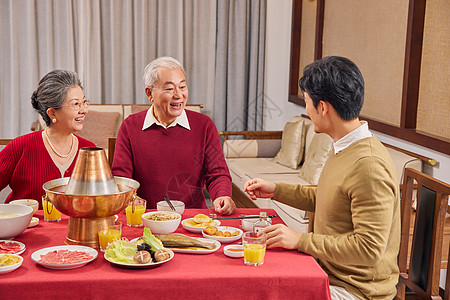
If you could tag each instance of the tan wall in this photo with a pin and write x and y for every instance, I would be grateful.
(433, 114)
(373, 35)
(308, 35)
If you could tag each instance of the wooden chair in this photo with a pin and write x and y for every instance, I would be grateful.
(424, 255)
(111, 148)
(447, 280)
(446, 292)
(4, 142)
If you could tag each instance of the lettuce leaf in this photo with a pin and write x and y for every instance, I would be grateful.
(121, 251)
(150, 239)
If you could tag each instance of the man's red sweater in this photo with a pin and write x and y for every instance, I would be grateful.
(173, 162)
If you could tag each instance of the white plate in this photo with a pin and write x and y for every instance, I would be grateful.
(7, 269)
(34, 221)
(225, 239)
(21, 250)
(36, 256)
(235, 254)
(193, 251)
(141, 266)
(199, 251)
(195, 229)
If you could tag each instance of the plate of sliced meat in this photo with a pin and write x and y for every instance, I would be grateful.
(11, 247)
(64, 257)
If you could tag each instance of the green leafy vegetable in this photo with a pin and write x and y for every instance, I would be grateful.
(150, 239)
(121, 251)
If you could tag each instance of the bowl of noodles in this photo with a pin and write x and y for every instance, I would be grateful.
(161, 221)
(14, 219)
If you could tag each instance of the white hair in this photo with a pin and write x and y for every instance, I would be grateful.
(151, 74)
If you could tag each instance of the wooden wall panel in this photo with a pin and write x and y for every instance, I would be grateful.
(433, 114)
(308, 35)
(373, 35)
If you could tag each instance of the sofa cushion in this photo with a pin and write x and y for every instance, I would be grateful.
(291, 152)
(111, 108)
(319, 150)
(285, 178)
(309, 134)
(139, 107)
(244, 166)
(251, 148)
(99, 126)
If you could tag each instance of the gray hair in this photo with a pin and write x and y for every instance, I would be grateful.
(151, 74)
(52, 91)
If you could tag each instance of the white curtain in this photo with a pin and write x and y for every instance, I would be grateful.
(239, 80)
(109, 42)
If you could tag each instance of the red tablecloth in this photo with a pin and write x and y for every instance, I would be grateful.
(284, 274)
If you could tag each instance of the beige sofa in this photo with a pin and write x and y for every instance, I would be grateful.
(103, 120)
(251, 157)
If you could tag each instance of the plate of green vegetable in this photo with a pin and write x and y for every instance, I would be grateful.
(128, 254)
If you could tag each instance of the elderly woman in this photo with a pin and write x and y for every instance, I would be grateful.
(28, 161)
(172, 151)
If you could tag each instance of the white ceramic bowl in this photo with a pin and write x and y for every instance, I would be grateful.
(7, 269)
(237, 253)
(168, 226)
(247, 224)
(11, 227)
(164, 206)
(34, 204)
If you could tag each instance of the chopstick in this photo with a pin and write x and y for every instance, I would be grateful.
(170, 203)
(244, 217)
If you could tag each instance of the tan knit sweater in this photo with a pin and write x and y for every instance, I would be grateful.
(357, 219)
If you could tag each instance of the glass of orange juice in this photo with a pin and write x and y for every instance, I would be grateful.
(254, 248)
(134, 212)
(51, 214)
(108, 233)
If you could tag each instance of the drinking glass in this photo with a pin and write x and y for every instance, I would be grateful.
(51, 214)
(211, 210)
(134, 212)
(107, 233)
(254, 248)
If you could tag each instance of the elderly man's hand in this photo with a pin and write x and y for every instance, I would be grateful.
(224, 205)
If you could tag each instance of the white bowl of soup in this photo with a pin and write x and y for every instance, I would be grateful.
(34, 204)
(164, 206)
(161, 221)
(14, 219)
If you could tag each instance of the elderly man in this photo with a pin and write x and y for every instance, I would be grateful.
(171, 151)
(356, 203)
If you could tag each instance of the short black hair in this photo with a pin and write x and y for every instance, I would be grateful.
(337, 80)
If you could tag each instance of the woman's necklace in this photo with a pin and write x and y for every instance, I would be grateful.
(53, 148)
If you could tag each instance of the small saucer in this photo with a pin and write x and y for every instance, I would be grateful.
(237, 253)
(34, 221)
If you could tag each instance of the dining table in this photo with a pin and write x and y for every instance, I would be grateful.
(285, 274)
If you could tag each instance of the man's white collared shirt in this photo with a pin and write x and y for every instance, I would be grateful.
(149, 120)
(359, 133)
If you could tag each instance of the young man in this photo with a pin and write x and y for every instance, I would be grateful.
(356, 202)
